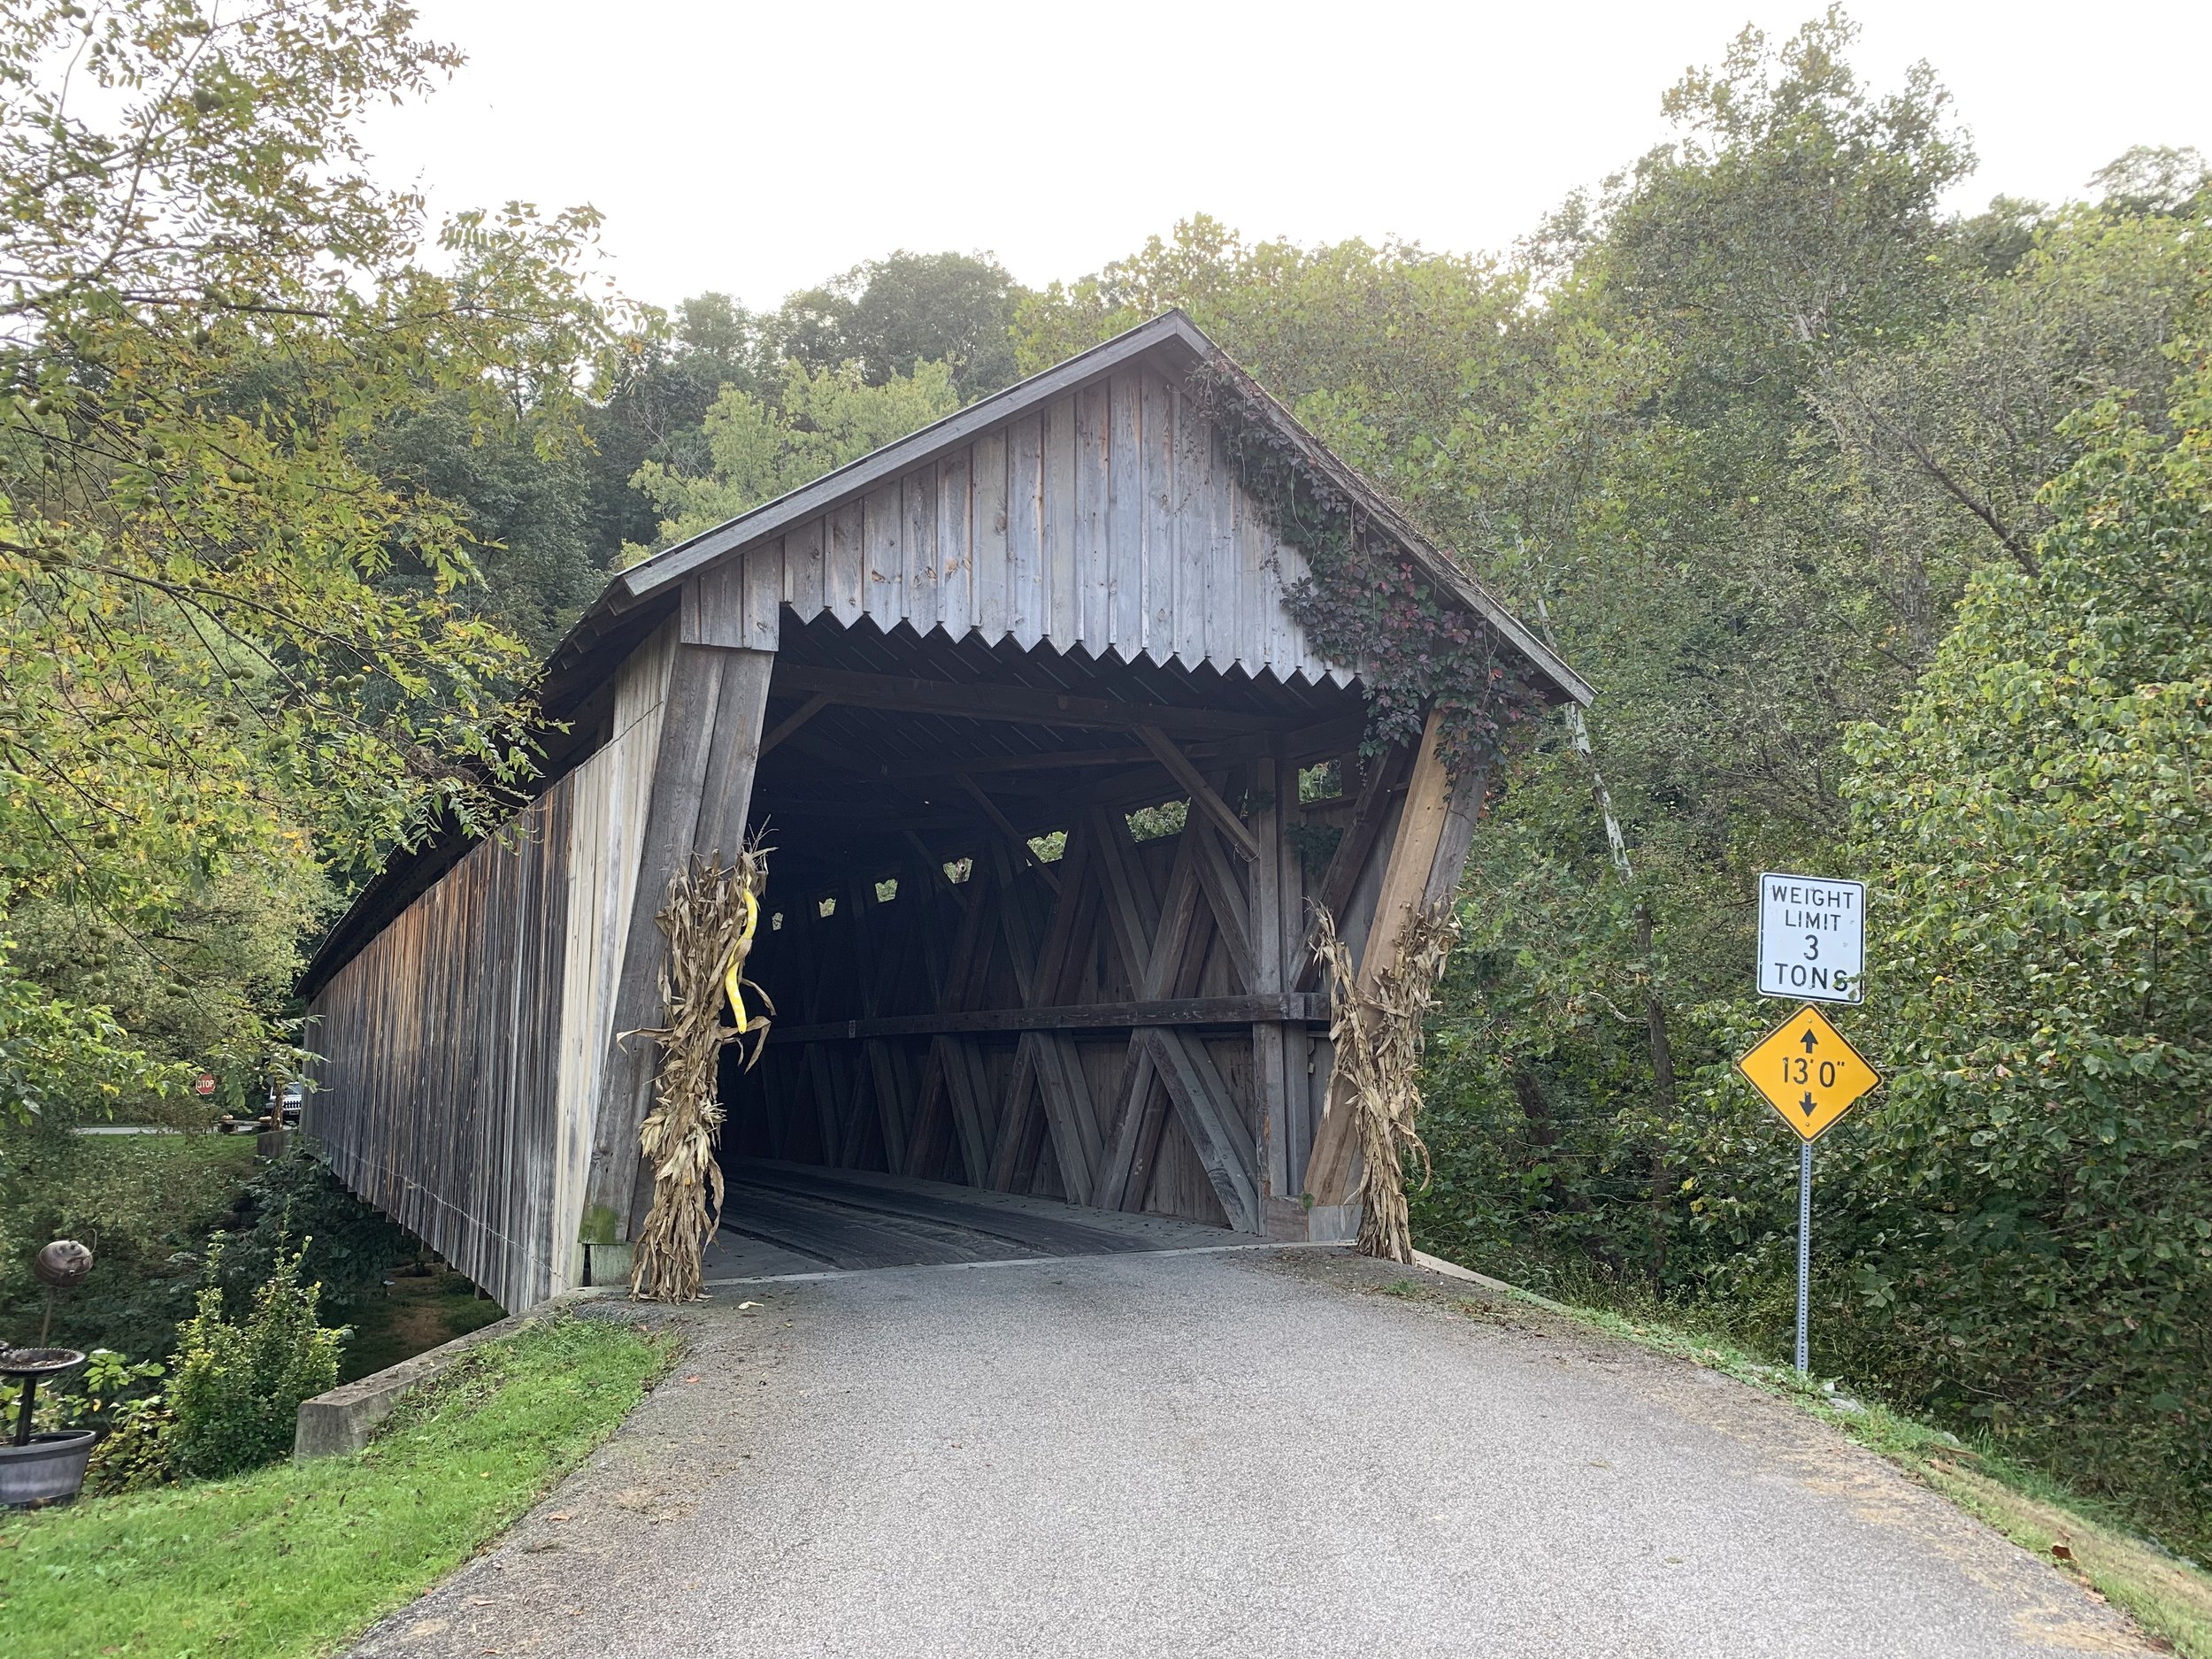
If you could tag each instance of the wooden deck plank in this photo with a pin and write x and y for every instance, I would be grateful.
(850, 1237)
(945, 1205)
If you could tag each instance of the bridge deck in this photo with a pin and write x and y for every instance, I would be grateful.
(780, 1218)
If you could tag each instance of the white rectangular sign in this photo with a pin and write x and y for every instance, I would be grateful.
(1812, 938)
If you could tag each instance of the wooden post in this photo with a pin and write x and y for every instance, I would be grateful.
(1275, 789)
(703, 786)
(1434, 831)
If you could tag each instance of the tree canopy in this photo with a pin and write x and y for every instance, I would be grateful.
(235, 642)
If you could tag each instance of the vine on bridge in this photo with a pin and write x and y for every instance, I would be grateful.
(1367, 603)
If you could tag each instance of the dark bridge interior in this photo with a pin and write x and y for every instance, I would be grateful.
(1011, 933)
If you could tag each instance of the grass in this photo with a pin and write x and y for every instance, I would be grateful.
(295, 1560)
(2170, 1598)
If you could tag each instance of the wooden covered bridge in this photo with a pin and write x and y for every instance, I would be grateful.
(947, 681)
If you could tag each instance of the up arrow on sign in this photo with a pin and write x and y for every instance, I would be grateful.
(1812, 938)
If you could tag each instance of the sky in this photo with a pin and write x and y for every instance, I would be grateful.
(756, 148)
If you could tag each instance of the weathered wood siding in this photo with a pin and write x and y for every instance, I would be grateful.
(613, 788)
(438, 1089)
(462, 1048)
(1105, 521)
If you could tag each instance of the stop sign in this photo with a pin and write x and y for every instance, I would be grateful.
(206, 1084)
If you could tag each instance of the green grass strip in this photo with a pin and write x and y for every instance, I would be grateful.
(295, 1560)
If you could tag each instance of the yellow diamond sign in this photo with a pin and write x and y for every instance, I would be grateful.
(1807, 1072)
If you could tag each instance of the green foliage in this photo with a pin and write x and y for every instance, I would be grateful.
(821, 419)
(890, 315)
(210, 999)
(292, 1561)
(1746, 424)
(1364, 602)
(2033, 1209)
(146, 1205)
(1152, 823)
(520, 495)
(61, 1061)
(239, 1382)
(652, 406)
(345, 1248)
(106, 1392)
(233, 646)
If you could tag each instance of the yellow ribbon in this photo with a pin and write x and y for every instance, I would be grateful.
(744, 940)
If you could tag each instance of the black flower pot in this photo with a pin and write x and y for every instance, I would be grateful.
(50, 1468)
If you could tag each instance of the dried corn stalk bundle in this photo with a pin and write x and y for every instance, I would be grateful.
(708, 922)
(1378, 1037)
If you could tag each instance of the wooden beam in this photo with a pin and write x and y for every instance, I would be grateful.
(1370, 811)
(791, 723)
(1069, 1111)
(1022, 704)
(1201, 793)
(710, 735)
(1131, 911)
(1019, 1123)
(712, 610)
(1331, 1169)
(1050, 760)
(1210, 1119)
(1006, 828)
(1274, 791)
(968, 1085)
(1297, 1007)
(1178, 958)
(1458, 834)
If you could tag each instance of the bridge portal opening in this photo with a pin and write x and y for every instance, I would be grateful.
(1035, 928)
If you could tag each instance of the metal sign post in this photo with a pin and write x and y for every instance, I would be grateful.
(1811, 1075)
(1812, 946)
(1804, 1253)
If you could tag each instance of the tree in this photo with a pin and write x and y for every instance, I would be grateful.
(519, 490)
(890, 314)
(2032, 1204)
(652, 406)
(821, 419)
(210, 318)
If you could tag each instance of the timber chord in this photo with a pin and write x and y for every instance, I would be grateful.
(1296, 1008)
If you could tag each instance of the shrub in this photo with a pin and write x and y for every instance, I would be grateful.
(348, 1247)
(2035, 1198)
(238, 1384)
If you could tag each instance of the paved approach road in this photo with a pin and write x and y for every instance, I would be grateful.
(1252, 1453)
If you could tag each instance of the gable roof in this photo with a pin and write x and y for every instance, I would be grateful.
(1172, 337)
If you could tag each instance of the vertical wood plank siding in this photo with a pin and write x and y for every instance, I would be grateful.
(461, 1048)
(1106, 521)
(438, 1085)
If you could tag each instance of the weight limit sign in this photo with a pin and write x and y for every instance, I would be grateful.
(1812, 938)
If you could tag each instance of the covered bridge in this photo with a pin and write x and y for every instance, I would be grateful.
(946, 681)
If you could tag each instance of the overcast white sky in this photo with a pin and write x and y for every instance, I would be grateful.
(759, 148)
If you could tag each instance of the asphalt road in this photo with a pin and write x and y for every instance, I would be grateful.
(1251, 1453)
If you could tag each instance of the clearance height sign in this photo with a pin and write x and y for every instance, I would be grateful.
(1806, 1070)
(1812, 938)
